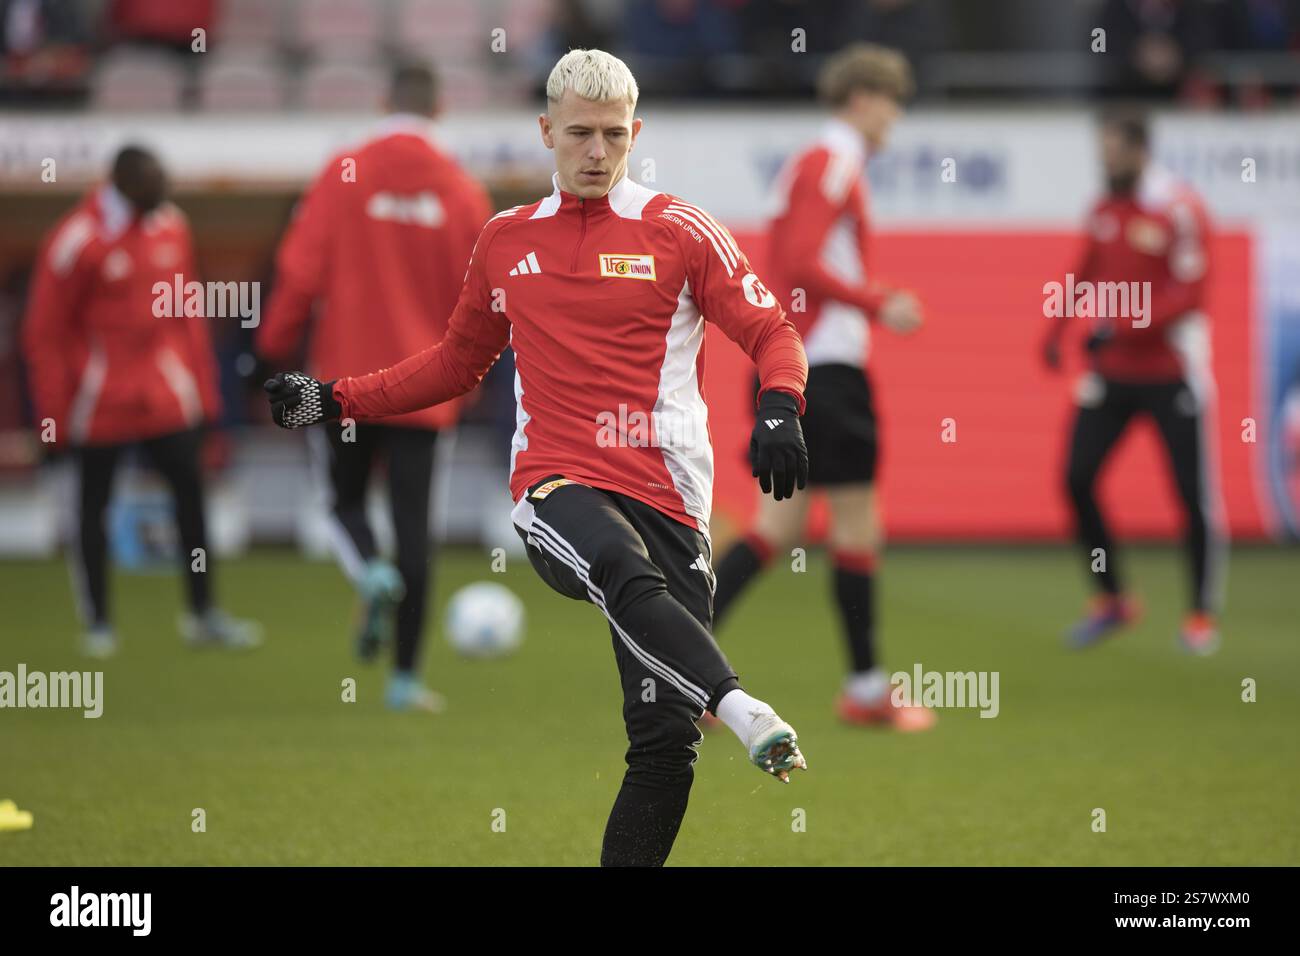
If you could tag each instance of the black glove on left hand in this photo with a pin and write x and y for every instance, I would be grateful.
(1098, 340)
(776, 448)
(298, 400)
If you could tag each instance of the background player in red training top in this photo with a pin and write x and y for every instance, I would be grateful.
(108, 373)
(1146, 265)
(818, 245)
(380, 242)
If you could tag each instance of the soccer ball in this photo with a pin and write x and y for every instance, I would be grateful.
(485, 619)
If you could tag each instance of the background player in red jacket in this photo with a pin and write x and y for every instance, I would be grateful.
(818, 245)
(603, 289)
(380, 240)
(106, 372)
(1147, 253)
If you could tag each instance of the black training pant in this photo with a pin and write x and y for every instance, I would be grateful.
(409, 456)
(176, 457)
(650, 575)
(1181, 420)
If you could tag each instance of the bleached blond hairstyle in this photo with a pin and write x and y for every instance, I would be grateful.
(593, 75)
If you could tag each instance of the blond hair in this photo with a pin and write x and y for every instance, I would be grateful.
(864, 66)
(593, 75)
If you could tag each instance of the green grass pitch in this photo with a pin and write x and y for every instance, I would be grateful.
(287, 773)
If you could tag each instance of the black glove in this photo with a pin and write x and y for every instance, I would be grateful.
(776, 448)
(1098, 339)
(298, 400)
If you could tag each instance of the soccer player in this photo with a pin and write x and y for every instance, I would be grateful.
(1148, 237)
(602, 289)
(818, 248)
(380, 239)
(107, 373)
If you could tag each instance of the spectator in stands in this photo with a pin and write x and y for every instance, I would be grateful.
(1152, 46)
(673, 46)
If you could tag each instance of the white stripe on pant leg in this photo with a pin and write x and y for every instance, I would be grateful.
(540, 527)
(688, 689)
(655, 666)
(555, 536)
(345, 549)
(541, 531)
(542, 540)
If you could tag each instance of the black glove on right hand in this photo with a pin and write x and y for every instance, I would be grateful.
(776, 448)
(298, 400)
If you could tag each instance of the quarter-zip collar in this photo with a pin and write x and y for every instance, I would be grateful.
(620, 195)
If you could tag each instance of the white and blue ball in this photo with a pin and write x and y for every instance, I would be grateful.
(485, 619)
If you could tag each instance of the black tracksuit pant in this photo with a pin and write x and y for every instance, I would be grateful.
(1180, 418)
(651, 577)
(176, 457)
(409, 456)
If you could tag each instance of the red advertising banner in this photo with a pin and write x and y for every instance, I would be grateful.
(977, 362)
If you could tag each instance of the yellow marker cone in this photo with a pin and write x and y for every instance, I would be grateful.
(11, 818)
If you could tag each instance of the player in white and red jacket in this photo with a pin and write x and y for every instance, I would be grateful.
(112, 366)
(819, 242)
(603, 290)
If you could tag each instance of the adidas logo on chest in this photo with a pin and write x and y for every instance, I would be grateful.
(526, 266)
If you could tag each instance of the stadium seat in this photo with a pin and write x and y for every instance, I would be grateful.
(342, 87)
(132, 80)
(242, 83)
(526, 22)
(249, 22)
(446, 30)
(355, 26)
(465, 86)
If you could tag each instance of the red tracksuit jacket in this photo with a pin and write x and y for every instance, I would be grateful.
(604, 302)
(1159, 234)
(101, 364)
(385, 253)
(817, 243)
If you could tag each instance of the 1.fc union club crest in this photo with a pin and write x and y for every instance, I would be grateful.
(627, 266)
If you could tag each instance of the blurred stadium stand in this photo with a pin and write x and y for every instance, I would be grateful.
(1203, 52)
(1005, 86)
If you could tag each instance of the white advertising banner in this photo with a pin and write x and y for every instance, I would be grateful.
(972, 168)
